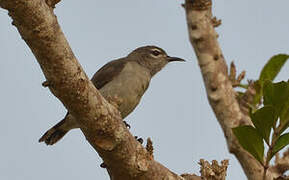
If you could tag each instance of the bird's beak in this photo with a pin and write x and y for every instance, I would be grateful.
(170, 59)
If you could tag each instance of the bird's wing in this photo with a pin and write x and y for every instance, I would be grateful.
(107, 73)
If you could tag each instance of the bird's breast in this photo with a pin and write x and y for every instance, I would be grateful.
(126, 89)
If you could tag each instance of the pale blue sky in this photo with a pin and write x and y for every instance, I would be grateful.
(174, 112)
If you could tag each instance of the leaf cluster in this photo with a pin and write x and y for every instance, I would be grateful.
(272, 118)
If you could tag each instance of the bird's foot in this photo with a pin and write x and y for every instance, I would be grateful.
(103, 165)
(126, 124)
(140, 140)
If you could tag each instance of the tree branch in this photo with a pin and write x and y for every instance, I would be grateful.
(220, 92)
(214, 171)
(100, 122)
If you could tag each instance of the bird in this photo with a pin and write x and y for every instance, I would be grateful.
(122, 81)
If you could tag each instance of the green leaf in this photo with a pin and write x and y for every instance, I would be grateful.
(264, 119)
(284, 126)
(276, 95)
(285, 109)
(268, 92)
(259, 93)
(284, 117)
(281, 142)
(251, 141)
(273, 67)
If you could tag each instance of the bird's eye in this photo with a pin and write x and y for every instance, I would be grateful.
(156, 52)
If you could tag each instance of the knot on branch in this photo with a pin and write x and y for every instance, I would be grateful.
(236, 81)
(198, 5)
(216, 22)
(103, 139)
(150, 148)
(214, 171)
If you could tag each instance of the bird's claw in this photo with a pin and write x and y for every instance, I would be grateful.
(126, 124)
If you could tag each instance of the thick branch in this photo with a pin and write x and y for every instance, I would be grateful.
(100, 122)
(220, 92)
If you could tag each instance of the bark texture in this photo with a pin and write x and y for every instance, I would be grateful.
(101, 123)
(221, 95)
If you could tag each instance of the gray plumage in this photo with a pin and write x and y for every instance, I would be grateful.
(122, 82)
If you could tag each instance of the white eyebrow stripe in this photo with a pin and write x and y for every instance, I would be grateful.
(156, 49)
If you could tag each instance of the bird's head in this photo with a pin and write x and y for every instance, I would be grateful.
(152, 57)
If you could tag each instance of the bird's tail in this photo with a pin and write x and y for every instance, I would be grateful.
(54, 134)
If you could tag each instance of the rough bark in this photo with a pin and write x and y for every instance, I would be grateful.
(100, 122)
(220, 92)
